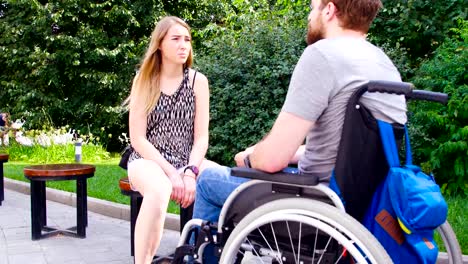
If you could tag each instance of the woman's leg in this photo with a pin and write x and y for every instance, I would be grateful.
(155, 187)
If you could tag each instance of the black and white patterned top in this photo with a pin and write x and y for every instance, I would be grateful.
(170, 125)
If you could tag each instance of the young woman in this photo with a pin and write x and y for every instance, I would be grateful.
(169, 116)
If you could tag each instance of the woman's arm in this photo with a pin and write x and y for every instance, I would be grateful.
(200, 140)
(202, 119)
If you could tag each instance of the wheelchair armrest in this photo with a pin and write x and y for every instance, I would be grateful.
(279, 177)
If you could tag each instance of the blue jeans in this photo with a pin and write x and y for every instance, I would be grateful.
(214, 186)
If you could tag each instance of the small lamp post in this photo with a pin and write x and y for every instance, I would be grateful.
(78, 151)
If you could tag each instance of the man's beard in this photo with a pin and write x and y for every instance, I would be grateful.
(315, 32)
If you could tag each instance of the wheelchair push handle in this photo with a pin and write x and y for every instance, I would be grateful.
(390, 87)
(406, 89)
(428, 96)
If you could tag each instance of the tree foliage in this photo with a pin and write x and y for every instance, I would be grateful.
(249, 72)
(416, 28)
(441, 133)
(71, 62)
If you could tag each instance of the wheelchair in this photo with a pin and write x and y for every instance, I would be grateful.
(296, 218)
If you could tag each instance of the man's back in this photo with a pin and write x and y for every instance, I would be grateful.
(328, 72)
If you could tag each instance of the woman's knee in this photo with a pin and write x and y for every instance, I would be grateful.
(158, 187)
(149, 179)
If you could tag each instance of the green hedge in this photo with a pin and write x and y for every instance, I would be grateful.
(71, 62)
(440, 134)
(249, 71)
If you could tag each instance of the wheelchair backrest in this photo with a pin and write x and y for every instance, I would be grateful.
(360, 164)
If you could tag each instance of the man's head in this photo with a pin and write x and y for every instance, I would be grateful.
(355, 15)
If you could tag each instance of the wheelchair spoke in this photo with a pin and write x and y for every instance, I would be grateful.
(299, 243)
(290, 240)
(324, 250)
(315, 244)
(268, 244)
(278, 257)
(240, 251)
(256, 253)
(342, 254)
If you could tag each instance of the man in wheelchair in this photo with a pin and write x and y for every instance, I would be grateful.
(337, 61)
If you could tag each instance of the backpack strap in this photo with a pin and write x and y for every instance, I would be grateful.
(409, 158)
(390, 147)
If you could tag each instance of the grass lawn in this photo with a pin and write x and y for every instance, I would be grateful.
(104, 185)
(458, 219)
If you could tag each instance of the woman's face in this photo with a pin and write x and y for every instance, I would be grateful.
(176, 45)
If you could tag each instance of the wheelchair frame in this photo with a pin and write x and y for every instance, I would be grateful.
(227, 235)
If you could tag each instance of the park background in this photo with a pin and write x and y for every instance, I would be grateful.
(68, 65)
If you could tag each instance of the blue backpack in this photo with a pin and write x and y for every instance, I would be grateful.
(406, 208)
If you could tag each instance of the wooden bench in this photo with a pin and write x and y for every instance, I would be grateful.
(135, 203)
(3, 159)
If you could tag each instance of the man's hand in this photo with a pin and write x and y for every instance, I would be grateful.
(239, 158)
(189, 193)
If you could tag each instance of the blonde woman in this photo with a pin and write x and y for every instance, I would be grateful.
(169, 116)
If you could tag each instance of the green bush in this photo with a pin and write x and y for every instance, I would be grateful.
(417, 27)
(71, 62)
(440, 134)
(249, 71)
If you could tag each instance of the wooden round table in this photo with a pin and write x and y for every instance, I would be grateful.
(38, 176)
(3, 159)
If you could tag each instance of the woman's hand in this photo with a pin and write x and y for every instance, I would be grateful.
(190, 186)
(177, 194)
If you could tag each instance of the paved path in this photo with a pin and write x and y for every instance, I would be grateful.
(107, 239)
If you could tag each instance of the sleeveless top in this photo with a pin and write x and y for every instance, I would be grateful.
(170, 125)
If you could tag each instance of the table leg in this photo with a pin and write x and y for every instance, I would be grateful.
(1, 185)
(36, 204)
(81, 201)
(42, 189)
(85, 205)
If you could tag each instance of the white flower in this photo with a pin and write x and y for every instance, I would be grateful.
(43, 140)
(6, 140)
(25, 141)
(17, 124)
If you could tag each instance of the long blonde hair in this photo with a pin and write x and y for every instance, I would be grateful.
(146, 82)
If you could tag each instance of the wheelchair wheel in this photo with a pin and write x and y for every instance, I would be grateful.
(298, 230)
(451, 243)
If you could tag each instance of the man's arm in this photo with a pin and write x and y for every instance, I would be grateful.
(307, 98)
(278, 148)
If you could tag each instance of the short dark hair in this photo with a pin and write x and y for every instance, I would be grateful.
(356, 14)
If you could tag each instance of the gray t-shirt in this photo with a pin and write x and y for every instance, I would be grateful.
(325, 77)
